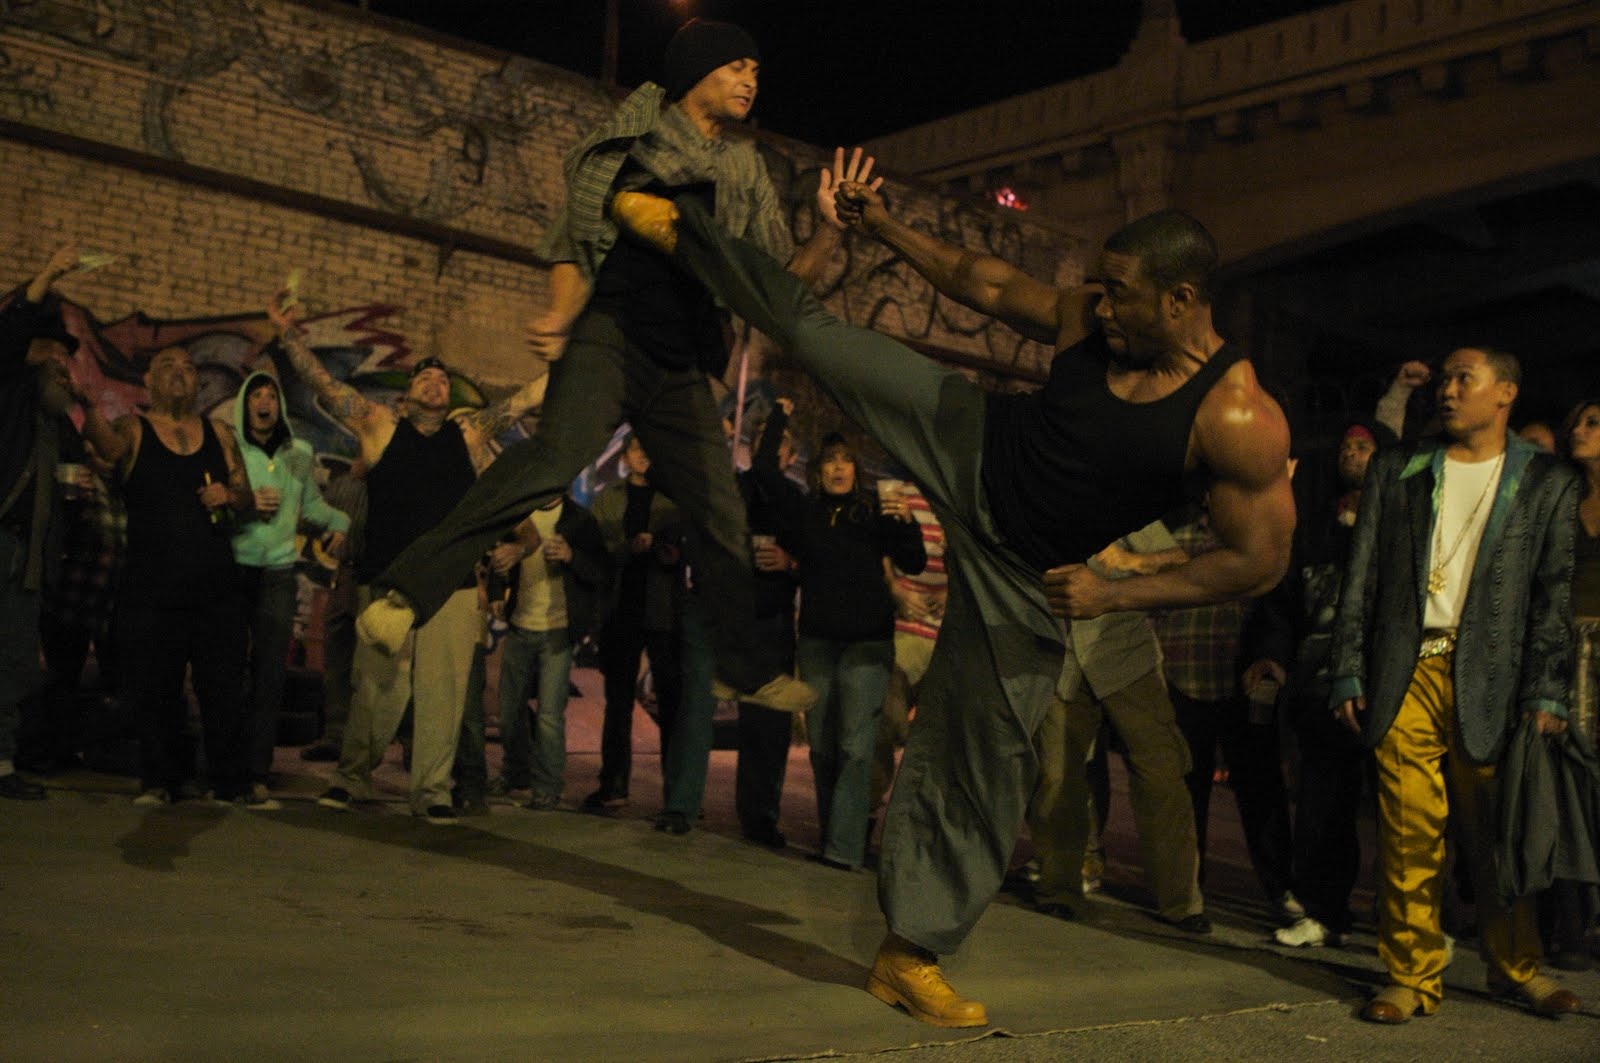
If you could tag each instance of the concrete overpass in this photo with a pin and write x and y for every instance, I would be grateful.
(1387, 177)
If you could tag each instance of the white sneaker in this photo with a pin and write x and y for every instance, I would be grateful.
(1305, 933)
(1289, 908)
(153, 798)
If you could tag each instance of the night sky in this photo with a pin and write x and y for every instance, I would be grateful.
(841, 71)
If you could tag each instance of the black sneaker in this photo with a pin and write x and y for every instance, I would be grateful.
(17, 788)
(673, 823)
(766, 834)
(543, 803)
(603, 800)
(441, 816)
(1193, 924)
(335, 797)
(472, 806)
(320, 753)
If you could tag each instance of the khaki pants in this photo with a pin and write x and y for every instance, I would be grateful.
(1158, 759)
(1424, 777)
(430, 671)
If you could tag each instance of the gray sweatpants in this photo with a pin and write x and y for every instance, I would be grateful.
(969, 764)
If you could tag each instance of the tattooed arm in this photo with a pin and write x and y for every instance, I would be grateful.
(481, 427)
(372, 424)
(240, 497)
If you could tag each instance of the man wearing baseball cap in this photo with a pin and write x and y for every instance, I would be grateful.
(630, 337)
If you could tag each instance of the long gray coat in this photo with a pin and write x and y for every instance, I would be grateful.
(1514, 646)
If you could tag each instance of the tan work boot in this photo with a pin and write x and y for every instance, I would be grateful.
(784, 693)
(908, 977)
(651, 218)
(385, 623)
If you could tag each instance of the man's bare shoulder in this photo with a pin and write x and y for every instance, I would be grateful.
(1240, 430)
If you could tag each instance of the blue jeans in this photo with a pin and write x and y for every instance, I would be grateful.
(851, 679)
(20, 674)
(537, 756)
(686, 753)
(268, 595)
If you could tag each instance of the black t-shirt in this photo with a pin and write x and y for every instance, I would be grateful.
(660, 307)
(1070, 468)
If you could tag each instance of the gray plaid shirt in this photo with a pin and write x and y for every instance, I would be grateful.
(668, 147)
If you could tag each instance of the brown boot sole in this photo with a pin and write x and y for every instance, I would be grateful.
(892, 997)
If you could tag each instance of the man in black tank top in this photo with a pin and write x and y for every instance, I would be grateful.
(420, 463)
(1027, 489)
(183, 482)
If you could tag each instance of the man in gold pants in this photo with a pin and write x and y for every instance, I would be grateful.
(1454, 625)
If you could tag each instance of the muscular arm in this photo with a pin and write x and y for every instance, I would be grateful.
(1241, 435)
(983, 282)
(109, 440)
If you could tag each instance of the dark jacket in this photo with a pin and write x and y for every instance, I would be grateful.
(840, 543)
(1514, 645)
(585, 578)
(663, 580)
(1549, 812)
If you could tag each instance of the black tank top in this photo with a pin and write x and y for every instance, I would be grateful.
(417, 481)
(1070, 468)
(177, 557)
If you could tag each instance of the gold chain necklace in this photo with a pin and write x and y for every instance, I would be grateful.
(1436, 579)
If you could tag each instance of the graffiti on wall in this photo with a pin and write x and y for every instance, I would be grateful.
(485, 141)
(383, 98)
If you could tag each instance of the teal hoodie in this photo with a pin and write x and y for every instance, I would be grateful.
(292, 470)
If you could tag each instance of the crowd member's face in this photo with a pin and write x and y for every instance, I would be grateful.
(429, 390)
(1585, 437)
(1130, 311)
(262, 408)
(634, 457)
(1471, 396)
(728, 92)
(172, 376)
(838, 475)
(787, 451)
(1354, 453)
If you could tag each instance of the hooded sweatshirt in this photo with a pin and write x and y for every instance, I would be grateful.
(290, 467)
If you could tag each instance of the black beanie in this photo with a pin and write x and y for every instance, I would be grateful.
(701, 46)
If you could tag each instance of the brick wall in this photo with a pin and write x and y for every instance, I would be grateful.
(218, 144)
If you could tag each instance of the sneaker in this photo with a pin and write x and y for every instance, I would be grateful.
(500, 786)
(672, 823)
(1193, 924)
(472, 806)
(335, 797)
(766, 834)
(603, 800)
(1289, 908)
(320, 753)
(440, 816)
(543, 802)
(153, 798)
(1306, 933)
(260, 800)
(17, 788)
(385, 623)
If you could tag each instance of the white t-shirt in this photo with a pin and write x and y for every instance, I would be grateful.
(1465, 499)
(541, 596)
